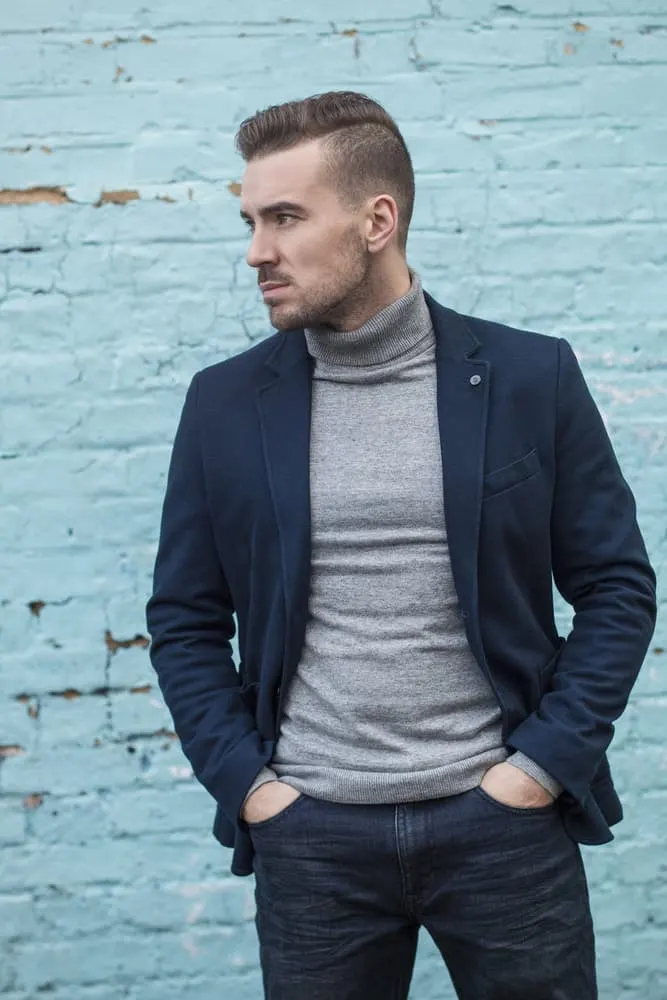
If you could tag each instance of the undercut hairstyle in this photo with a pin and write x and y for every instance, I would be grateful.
(364, 151)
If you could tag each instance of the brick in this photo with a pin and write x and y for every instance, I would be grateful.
(114, 957)
(18, 920)
(114, 862)
(12, 821)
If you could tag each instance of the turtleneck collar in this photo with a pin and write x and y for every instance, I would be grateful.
(391, 333)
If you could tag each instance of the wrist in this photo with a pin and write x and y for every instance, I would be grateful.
(529, 767)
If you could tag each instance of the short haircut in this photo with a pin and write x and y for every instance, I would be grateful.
(364, 151)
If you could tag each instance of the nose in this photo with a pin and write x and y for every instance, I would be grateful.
(260, 250)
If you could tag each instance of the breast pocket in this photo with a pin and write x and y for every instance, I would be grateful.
(506, 478)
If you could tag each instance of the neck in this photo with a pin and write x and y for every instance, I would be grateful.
(379, 294)
(392, 332)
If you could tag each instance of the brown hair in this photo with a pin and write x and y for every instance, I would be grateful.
(363, 147)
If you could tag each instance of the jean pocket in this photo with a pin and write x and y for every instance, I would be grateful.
(515, 810)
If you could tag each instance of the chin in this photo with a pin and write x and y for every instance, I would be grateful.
(285, 320)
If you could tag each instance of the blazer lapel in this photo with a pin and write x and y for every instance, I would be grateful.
(284, 405)
(463, 395)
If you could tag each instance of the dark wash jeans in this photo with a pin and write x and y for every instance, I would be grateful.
(342, 890)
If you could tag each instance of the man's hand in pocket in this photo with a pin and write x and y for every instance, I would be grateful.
(513, 787)
(267, 801)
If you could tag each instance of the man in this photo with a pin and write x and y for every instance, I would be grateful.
(381, 491)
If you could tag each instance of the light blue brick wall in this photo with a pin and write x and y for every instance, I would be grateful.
(540, 143)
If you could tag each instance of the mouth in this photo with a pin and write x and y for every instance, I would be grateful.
(269, 288)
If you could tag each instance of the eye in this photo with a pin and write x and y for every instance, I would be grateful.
(284, 215)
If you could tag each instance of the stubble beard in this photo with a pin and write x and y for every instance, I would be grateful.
(333, 301)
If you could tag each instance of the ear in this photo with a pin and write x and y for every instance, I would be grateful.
(381, 222)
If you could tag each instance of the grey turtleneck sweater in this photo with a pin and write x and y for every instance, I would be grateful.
(388, 703)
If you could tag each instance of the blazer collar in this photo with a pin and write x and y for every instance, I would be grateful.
(454, 339)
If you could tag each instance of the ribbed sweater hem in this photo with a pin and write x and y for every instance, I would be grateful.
(378, 787)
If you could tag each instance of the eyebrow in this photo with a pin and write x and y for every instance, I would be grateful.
(275, 209)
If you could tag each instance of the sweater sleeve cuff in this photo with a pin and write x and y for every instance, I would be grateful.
(264, 776)
(529, 767)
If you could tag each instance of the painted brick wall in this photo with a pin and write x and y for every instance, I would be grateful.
(540, 142)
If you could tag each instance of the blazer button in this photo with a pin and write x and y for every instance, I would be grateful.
(475, 379)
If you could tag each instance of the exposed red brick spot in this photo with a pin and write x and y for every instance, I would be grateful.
(33, 710)
(350, 33)
(147, 40)
(113, 645)
(120, 197)
(142, 689)
(116, 40)
(69, 694)
(235, 188)
(33, 801)
(88, 41)
(34, 196)
(659, 650)
(618, 42)
(36, 607)
(165, 197)
(11, 750)
(23, 699)
(158, 734)
(581, 27)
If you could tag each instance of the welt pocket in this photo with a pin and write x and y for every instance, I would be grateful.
(511, 475)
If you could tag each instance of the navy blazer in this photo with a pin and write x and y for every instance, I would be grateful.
(532, 492)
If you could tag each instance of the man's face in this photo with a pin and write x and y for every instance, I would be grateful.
(304, 238)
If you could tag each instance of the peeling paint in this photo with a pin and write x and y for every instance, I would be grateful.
(581, 27)
(36, 607)
(159, 734)
(33, 801)
(113, 645)
(69, 694)
(27, 149)
(11, 750)
(235, 188)
(34, 196)
(116, 40)
(120, 197)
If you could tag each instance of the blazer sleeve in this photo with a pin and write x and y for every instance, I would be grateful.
(601, 568)
(190, 620)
